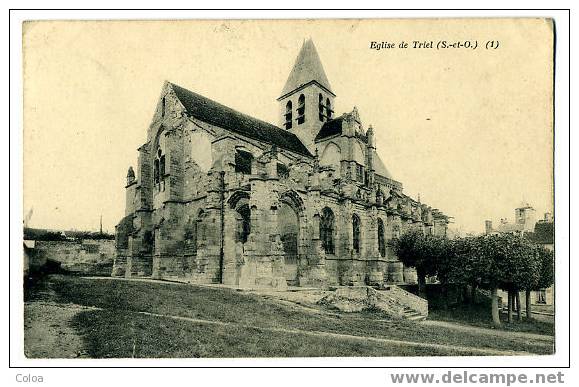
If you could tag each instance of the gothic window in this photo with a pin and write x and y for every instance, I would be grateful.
(159, 170)
(356, 233)
(327, 230)
(243, 162)
(329, 110)
(243, 223)
(359, 173)
(195, 226)
(282, 171)
(148, 242)
(163, 107)
(162, 167)
(381, 241)
(301, 109)
(321, 108)
(156, 173)
(288, 115)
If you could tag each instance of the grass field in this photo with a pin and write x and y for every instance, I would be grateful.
(479, 315)
(226, 323)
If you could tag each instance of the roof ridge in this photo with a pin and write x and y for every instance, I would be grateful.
(224, 106)
(218, 114)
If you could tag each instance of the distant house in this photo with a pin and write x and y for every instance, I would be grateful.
(544, 235)
(525, 220)
(541, 232)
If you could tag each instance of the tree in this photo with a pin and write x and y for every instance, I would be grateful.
(458, 265)
(414, 249)
(506, 262)
(493, 259)
(521, 270)
(485, 259)
(545, 275)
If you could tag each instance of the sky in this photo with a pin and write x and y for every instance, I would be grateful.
(470, 131)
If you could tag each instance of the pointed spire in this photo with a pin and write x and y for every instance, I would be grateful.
(307, 68)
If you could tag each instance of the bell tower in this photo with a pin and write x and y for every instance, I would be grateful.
(307, 99)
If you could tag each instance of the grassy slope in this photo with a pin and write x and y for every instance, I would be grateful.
(118, 331)
(480, 315)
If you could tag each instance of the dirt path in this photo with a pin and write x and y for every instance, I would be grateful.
(465, 350)
(490, 332)
(48, 331)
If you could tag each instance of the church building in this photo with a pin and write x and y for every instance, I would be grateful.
(221, 197)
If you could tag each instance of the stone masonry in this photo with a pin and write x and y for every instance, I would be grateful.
(221, 197)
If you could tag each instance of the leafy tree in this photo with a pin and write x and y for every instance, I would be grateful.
(426, 253)
(545, 275)
(409, 250)
(503, 261)
(493, 262)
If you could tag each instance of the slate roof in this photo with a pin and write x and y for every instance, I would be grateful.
(307, 68)
(330, 128)
(214, 113)
(380, 168)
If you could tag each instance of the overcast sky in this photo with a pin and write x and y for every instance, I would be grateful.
(468, 130)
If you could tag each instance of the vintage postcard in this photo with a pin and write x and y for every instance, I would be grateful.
(288, 188)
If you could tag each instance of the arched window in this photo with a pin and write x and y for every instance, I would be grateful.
(159, 170)
(156, 172)
(329, 110)
(356, 233)
(301, 109)
(381, 241)
(243, 162)
(321, 108)
(327, 230)
(243, 223)
(288, 115)
(148, 245)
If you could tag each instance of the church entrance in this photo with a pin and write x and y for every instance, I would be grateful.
(288, 224)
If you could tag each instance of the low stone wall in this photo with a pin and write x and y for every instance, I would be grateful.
(94, 257)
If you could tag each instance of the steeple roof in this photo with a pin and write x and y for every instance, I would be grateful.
(307, 68)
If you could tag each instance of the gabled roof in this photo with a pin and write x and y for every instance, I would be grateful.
(380, 168)
(214, 113)
(307, 68)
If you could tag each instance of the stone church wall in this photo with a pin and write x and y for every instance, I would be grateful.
(187, 225)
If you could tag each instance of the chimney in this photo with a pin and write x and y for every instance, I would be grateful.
(488, 226)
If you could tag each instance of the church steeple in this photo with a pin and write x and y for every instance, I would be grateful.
(307, 69)
(307, 98)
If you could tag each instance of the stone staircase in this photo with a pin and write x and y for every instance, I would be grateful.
(411, 314)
